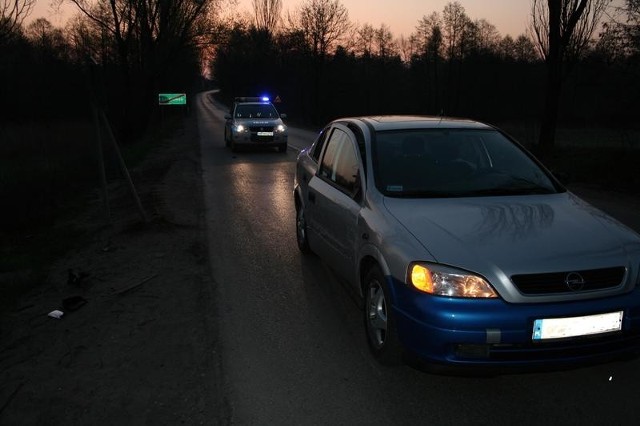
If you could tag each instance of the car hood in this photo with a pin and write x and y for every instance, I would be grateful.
(501, 236)
(258, 122)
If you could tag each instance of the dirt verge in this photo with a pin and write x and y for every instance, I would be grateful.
(137, 341)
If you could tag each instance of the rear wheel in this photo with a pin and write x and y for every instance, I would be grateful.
(301, 230)
(379, 319)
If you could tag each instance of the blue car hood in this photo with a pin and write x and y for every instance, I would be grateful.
(501, 236)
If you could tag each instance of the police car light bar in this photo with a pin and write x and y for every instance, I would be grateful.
(251, 99)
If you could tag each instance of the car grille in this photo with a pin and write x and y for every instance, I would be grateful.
(556, 282)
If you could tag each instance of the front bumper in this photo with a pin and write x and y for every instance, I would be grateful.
(491, 332)
(252, 138)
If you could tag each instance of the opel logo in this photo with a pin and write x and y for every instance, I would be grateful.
(574, 281)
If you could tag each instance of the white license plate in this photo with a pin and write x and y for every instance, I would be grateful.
(559, 328)
(265, 133)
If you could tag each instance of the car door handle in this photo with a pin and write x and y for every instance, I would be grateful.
(312, 197)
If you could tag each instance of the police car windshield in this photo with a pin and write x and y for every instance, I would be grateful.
(256, 111)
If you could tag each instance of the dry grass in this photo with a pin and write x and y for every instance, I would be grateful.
(48, 176)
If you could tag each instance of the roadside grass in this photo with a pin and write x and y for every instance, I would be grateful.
(48, 177)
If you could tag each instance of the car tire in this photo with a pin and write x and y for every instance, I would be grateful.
(226, 138)
(234, 147)
(302, 237)
(379, 320)
(282, 148)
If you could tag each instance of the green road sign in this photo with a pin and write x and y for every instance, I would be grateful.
(172, 98)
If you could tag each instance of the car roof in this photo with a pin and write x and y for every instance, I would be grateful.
(253, 103)
(408, 122)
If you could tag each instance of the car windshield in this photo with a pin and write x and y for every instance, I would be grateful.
(256, 111)
(455, 163)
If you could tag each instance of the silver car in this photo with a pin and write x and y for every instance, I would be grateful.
(255, 122)
(465, 250)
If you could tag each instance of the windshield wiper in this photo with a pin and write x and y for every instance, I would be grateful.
(517, 186)
(514, 190)
(421, 194)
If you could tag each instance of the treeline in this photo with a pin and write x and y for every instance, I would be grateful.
(117, 55)
(322, 66)
(122, 53)
(111, 56)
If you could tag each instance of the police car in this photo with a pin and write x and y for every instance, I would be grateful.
(254, 121)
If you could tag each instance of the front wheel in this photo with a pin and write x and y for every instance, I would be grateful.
(282, 147)
(379, 319)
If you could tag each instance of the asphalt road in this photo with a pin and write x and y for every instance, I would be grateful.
(293, 348)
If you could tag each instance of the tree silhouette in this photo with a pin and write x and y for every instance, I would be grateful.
(267, 14)
(12, 15)
(562, 30)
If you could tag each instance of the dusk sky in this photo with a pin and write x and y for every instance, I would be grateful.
(402, 16)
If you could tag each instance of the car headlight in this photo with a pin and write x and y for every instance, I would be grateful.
(445, 281)
(280, 128)
(240, 128)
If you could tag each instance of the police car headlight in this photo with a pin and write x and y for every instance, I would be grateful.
(280, 128)
(445, 281)
(240, 128)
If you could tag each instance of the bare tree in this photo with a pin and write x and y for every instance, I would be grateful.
(46, 37)
(365, 36)
(562, 30)
(407, 47)
(144, 26)
(454, 24)
(429, 35)
(521, 49)
(267, 14)
(524, 49)
(620, 37)
(574, 23)
(12, 15)
(487, 36)
(384, 42)
(323, 22)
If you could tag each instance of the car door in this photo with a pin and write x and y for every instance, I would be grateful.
(335, 193)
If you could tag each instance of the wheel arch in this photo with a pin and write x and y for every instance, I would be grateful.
(369, 258)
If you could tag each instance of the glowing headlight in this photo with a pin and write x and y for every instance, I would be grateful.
(240, 128)
(443, 281)
(280, 128)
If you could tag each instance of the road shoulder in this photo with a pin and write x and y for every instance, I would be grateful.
(142, 345)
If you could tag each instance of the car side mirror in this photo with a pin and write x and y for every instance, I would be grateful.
(283, 115)
(227, 116)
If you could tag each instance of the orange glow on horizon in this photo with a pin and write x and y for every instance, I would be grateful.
(400, 16)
